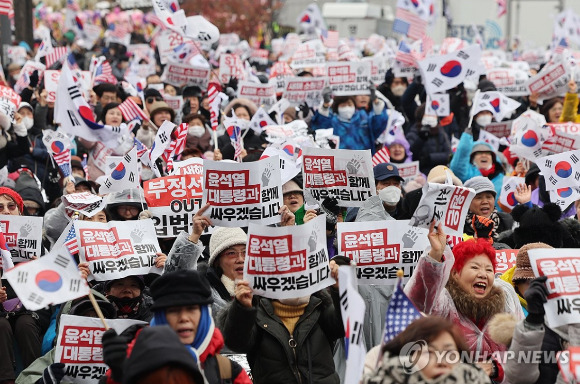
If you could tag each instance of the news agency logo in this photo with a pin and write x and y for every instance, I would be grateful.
(412, 356)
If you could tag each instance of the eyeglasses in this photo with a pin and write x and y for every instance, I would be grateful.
(150, 100)
(10, 207)
(234, 254)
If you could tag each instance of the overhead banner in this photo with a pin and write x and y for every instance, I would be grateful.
(346, 175)
(287, 262)
(347, 78)
(260, 94)
(173, 200)
(184, 75)
(446, 204)
(509, 81)
(562, 267)
(307, 90)
(23, 236)
(118, 248)
(381, 248)
(242, 192)
(79, 346)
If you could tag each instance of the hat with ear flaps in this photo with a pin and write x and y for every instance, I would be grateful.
(538, 225)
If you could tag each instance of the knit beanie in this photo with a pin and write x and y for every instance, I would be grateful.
(14, 196)
(480, 184)
(223, 238)
(523, 269)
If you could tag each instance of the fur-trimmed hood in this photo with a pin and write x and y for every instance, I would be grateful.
(501, 328)
(477, 309)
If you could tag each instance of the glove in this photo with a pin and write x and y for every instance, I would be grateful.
(114, 353)
(424, 132)
(331, 208)
(326, 95)
(483, 227)
(20, 130)
(52, 374)
(536, 295)
(474, 130)
(233, 83)
(417, 79)
(302, 111)
(34, 79)
(373, 90)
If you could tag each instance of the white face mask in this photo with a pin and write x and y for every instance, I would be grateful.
(196, 130)
(296, 301)
(483, 120)
(28, 122)
(398, 90)
(390, 195)
(345, 113)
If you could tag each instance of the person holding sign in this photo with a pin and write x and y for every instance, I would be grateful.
(357, 129)
(461, 287)
(286, 340)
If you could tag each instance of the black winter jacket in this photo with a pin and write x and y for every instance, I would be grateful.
(259, 333)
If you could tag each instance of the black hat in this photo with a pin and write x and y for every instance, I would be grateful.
(139, 279)
(151, 92)
(184, 287)
(81, 307)
(532, 174)
(192, 91)
(155, 348)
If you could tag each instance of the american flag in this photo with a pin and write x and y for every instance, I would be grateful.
(400, 313)
(405, 55)
(57, 54)
(330, 39)
(235, 134)
(5, 256)
(131, 110)
(141, 148)
(154, 19)
(381, 156)
(118, 31)
(6, 7)
(104, 74)
(562, 45)
(22, 82)
(71, 241)
(63, 161)
(176, 146)
(409, 24)
(85, 165)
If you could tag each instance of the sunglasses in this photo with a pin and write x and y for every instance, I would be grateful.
(9, 206)
(150, 100)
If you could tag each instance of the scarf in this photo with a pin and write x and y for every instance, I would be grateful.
(127, 308)
(487, 172)
(494, 217)
(477, 310)
(229, 284)
(289, 314)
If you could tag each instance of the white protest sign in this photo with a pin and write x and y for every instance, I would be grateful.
(118, 248)
(173, 200)
(380, 248)
(346, 175)
(499, 130)
(509, 81)
(349, 78)
(445, 204)
(79, 346)
(561, 170)
(184, 75)
(193, 166)
(15, 53)
(289, 166)
(167, 41)
(9, 102)
(552, 81)
(562, 267)
(85, 202)
(507, 196)
(231, 66)
(288, 262)
(565, 137)
(379, 67)
(99, 155)
(52, 77)
(240, 193)
(23, 236)
(279, 73)
(308, 55)
(352, 309)
(259, 56)
(29, 68)
(291, 43)
(409, 171)
(304, 89)
(505, 259)
(260, 94)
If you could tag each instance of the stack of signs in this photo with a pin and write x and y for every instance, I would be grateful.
(287, 262)
(507, 196)
(445, 204)
(80, 348)
(242, 192)
(260, 94)
(509, 81)
(562, 175)
(85, 203)
(344, 174)
(381, 248)
(349, 78)
(173, 200)
(118, 249)
(562, 267)
(505, 259)
(231, 66)
(307, 90)
(23, 236)
(9, 102)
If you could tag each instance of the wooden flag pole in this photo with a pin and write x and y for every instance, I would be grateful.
(98, 310)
